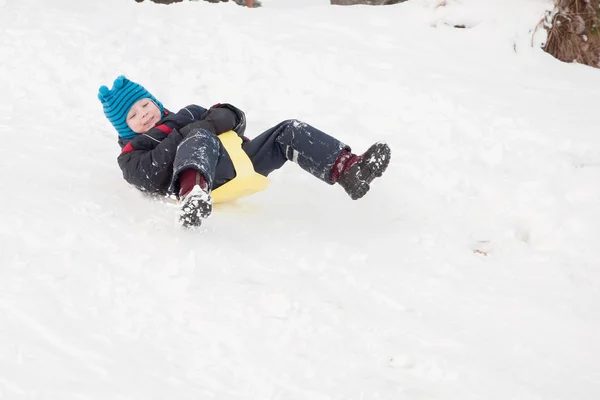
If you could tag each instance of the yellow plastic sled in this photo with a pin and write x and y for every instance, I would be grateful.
(246, 181)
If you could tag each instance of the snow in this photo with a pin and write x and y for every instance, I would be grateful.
(470, 271)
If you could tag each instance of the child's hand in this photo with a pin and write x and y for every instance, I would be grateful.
(223, 119)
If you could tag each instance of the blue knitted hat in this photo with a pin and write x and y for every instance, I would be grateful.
(118, 101)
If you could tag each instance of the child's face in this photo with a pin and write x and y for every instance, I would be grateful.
(143, 115)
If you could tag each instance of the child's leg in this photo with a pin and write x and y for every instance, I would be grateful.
(199, 151)
(313, 150)
(320, 154)
(194, 172)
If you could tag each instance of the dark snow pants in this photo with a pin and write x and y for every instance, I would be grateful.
(291, 140)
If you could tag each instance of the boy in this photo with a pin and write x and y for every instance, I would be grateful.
(180, 153)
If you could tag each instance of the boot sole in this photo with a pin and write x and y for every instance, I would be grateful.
(195, 209)
(379, 161)
(376, 164)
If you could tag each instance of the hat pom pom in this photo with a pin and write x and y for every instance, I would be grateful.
(103, 93)
(119, 82)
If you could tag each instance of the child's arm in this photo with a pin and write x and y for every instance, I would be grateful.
(185, 116)
(222, 118)
(147, 160)
(196, 111)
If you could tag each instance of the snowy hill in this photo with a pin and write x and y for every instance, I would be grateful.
(470, 271)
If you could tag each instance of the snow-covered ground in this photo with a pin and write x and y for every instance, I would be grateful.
(471, 270)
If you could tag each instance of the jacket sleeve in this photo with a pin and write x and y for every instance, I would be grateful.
(218, 119)
(147, 160)
(196, 111)
(186, 115)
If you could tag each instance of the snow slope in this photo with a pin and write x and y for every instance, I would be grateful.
(471, 271)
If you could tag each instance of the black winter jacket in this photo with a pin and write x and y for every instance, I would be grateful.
(147, 159)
